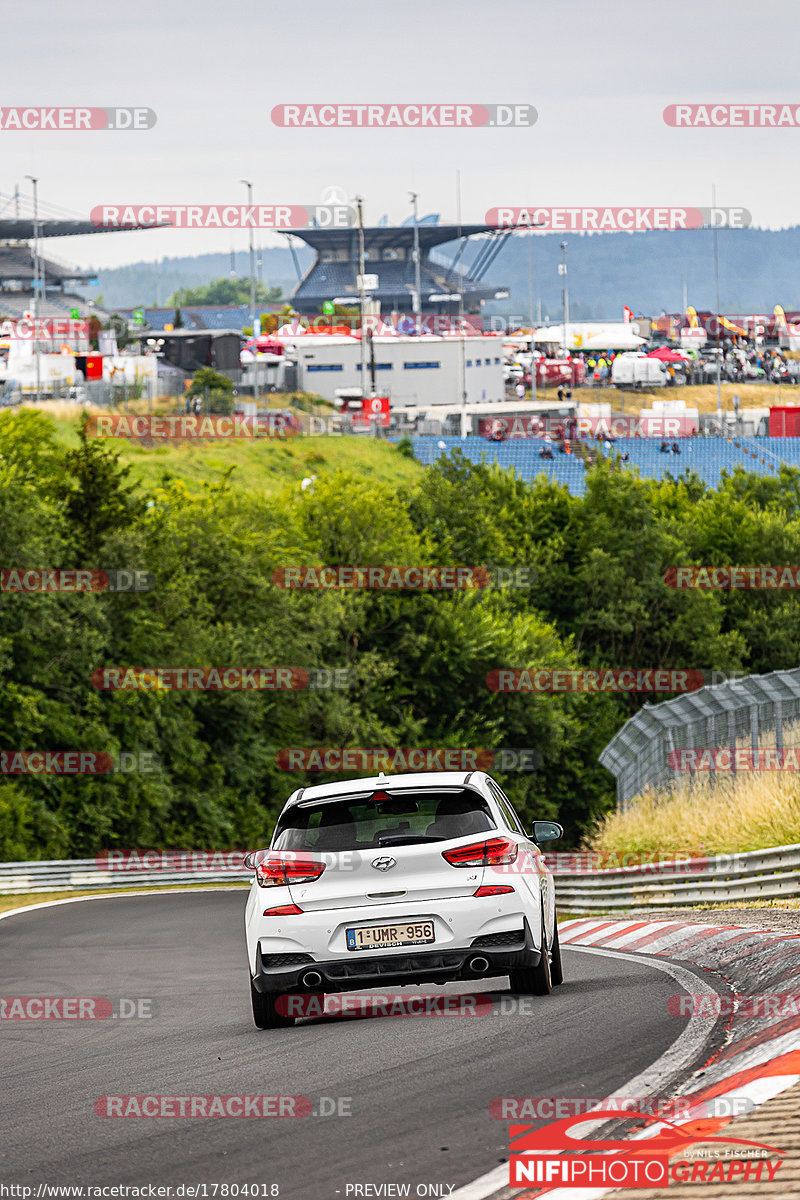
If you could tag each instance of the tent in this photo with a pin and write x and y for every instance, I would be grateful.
(667, 355)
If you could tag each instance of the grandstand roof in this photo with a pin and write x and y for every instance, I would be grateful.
(21, 229)
(336, 280)
(380, 236)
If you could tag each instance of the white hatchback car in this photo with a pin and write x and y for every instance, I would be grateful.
(399, 879)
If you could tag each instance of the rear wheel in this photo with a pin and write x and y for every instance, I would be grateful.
(534, 981)
(265, 1011)
(556, 972)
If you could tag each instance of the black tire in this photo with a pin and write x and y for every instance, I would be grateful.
(265, 1012)
(556, 970)
(534, 981)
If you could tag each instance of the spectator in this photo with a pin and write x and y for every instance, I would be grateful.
(546, 451)
(664, 448)
(520, 389)
(676, 448)
(198, 405)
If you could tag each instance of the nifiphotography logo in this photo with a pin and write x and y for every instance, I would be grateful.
(553, 1156)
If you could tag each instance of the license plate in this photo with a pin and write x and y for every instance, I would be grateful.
(386, 937)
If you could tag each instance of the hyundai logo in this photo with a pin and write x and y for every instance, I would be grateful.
(384, 864)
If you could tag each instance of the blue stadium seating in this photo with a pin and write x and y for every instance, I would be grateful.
(708, 457)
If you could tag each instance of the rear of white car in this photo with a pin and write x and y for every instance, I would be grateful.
(398, 880)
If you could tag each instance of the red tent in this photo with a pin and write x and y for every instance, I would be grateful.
(665, 354)
(264, 345)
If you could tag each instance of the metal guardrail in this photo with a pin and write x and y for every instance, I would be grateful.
(754, 875)
(86, 874)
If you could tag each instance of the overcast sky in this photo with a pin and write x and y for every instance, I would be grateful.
(599, 74)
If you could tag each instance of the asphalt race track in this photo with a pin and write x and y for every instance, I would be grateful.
(420, 1087)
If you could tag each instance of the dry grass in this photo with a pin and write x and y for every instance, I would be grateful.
(747, 812)
(702, 396)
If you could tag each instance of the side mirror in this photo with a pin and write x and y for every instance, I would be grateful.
(253, 858)
(546, 831)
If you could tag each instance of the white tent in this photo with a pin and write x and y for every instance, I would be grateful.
(591, 336)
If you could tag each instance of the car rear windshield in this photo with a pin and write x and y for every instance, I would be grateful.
(365, 822)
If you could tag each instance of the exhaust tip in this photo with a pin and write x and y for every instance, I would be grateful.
(311, 979)
(479, 964)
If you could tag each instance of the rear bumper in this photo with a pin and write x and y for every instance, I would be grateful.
(378, 970)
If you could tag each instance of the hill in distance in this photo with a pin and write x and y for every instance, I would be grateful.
(650, 272)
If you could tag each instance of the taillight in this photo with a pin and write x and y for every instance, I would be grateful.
(279, 870)
(494, 890)
(283, 910)
(482, 854)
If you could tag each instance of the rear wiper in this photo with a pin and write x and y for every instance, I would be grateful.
(406, 839)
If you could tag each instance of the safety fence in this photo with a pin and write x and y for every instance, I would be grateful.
(652, 748)
(724, 878)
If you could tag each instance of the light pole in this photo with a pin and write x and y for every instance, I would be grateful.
(716, 288)
(249, 187)
(562, 270)
(417, 281)
(35, 183)
(362, 297)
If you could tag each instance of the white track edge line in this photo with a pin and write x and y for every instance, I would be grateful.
(187, 891)
(685, 1049)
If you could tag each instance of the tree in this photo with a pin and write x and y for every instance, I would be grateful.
(95, 493)
(177, 320)
(207, 377)
(225, 291)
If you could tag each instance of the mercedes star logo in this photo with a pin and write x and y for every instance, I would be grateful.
(334, 195)
(384, 864)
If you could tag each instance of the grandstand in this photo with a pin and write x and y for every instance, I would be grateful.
(17, 263)
(707, 457)
(16, 284)
(389, 255)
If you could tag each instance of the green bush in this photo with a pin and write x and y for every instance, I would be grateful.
(207, 379)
